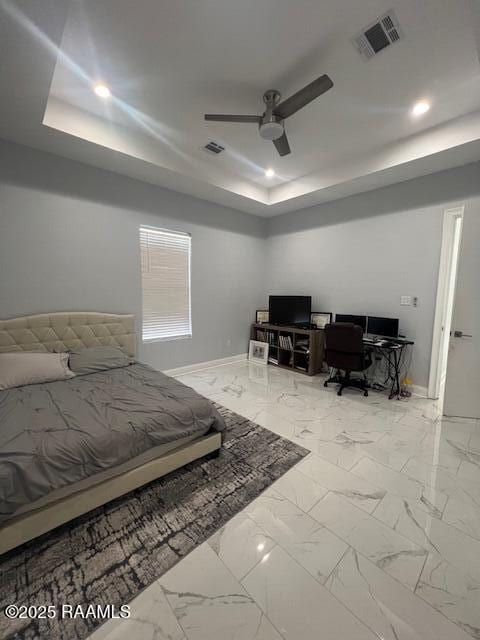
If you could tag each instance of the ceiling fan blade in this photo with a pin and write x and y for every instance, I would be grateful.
(300, 99)
(225, 118)
(281, 145)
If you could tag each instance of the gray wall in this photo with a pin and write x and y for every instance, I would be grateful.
(69, 241)
(360, 254)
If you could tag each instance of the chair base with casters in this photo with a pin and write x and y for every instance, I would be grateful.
(345, 354)
(347, 381)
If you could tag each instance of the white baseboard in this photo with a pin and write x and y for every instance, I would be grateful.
(191, 368)
(420, 391)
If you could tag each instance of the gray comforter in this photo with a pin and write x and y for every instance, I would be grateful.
(57, 433)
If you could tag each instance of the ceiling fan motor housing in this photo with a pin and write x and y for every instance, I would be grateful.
(271, 128)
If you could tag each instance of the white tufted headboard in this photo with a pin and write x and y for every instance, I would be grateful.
(68, 330)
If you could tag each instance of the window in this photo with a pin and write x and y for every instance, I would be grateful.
(165, 257)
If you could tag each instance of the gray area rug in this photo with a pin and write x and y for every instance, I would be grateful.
(112, 553)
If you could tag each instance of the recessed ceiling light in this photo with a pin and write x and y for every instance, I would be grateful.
(269, 173)
(102, 90)
(420, 108)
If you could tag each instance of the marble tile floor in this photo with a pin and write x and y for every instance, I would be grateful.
(374, 535)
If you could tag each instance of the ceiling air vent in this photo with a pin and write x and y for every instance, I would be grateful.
(214, 147)
(378, 35)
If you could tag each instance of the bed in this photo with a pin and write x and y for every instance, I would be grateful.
(69, 446)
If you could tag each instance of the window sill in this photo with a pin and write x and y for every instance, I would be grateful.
(166, 339)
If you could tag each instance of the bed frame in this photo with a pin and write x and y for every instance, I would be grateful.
(62, 332)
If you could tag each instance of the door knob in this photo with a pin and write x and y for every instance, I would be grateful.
(460, 334)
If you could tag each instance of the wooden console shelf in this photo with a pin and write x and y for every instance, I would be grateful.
(292, 348)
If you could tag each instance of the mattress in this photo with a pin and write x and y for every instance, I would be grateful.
(57, 437)
(108, 474)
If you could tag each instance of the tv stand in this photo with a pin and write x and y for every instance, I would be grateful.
(292, 347)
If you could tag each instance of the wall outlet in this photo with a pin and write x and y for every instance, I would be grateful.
(408, 301)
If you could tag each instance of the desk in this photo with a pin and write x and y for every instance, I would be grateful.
(392, 350)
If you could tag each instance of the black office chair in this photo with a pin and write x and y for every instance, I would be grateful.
(345, 351)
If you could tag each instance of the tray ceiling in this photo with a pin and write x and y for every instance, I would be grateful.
(167, 64)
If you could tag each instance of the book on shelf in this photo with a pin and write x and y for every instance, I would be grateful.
(266, 336)
(285, 342)
(303, 345)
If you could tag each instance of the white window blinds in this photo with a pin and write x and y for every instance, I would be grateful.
(165, 259)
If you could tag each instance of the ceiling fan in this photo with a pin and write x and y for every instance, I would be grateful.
(271, 122)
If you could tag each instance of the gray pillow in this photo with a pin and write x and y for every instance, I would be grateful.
(93, 359)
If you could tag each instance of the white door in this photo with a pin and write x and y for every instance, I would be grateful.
(462, 386)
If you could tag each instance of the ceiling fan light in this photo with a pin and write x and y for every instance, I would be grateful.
(271, 130)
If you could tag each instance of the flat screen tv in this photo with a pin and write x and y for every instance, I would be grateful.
(289, 309)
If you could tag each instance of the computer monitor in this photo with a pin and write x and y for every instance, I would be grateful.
(387, 327)
(290, 309)
(360, 320)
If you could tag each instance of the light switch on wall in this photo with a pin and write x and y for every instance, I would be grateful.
(408, 301)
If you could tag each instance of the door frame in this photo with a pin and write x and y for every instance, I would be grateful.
(439, 342)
